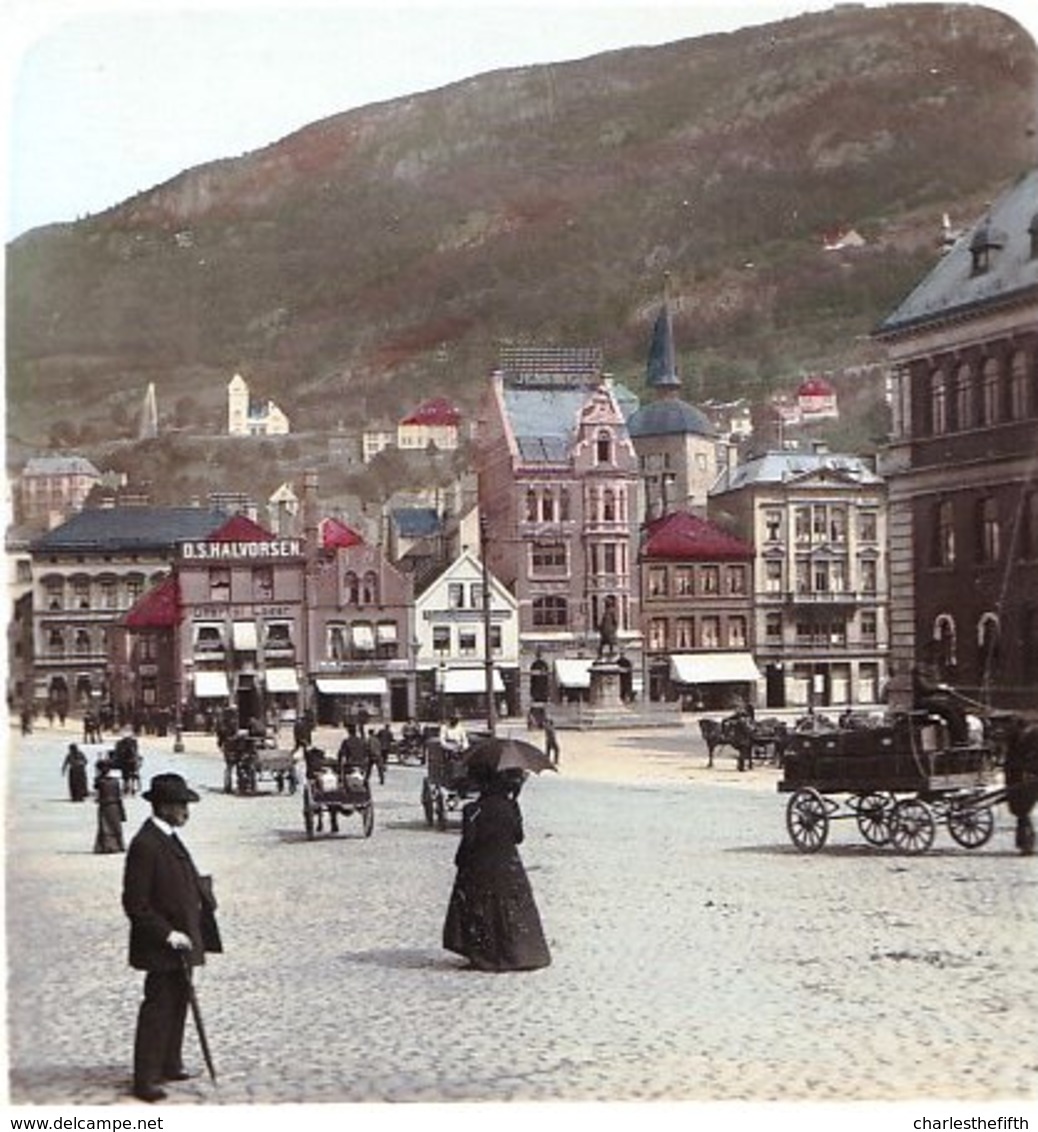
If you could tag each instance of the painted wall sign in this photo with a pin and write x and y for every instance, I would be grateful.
(216, 550)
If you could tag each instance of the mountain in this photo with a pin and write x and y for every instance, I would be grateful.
(382, 255)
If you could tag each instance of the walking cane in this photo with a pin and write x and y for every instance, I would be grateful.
(196, 1013)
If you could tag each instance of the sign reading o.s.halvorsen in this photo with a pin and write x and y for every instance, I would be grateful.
(268, 548)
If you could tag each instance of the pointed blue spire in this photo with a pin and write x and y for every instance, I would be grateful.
(662, 369)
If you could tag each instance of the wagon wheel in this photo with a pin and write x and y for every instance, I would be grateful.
(308, 812)
(807, 820)
(970, 824)
(367, 817)
(441, 810)
(873, 814)
(427, 801)
(911, 826)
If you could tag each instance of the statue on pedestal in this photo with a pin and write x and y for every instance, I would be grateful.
(607, 627)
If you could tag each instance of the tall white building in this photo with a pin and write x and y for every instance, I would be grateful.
(246, 417)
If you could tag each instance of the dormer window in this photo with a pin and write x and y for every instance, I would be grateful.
(986, 243)
(604, 448)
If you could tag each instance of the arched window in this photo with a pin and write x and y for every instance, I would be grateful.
(991, 389)
(564, 504)
(351, 586)
(548, 506)
(609, 505)
(1019, 387)
(938, 404)
(988, 634)
(964, 397)
(944, 635)
(551, 611)
(944, 534)
(56, 643)
(82, 645)
(369, 590)
(604, 448)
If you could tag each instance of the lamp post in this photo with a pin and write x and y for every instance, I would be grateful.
(488, 659)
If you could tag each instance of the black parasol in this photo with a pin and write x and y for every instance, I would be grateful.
(499, 754)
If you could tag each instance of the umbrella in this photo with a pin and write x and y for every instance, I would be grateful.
(196, 1013)
(499, 754)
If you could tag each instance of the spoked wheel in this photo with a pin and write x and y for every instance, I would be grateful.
(427, 802)
(367, 817)
(873, 815)
(911, 826)
(308, 813)
(969, 824)
(807, 820)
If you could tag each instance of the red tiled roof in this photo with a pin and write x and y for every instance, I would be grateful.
(157, 608)
(240, 528)
(438, 411)
(815, 387)
(334, 532)
(685, 537)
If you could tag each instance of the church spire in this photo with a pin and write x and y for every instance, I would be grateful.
(149, 423)
(662, 368)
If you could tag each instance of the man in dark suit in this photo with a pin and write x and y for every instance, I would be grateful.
(172, 925)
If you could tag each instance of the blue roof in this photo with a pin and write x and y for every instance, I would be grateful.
(952, 286)
(544, 421)
(416, 522)
(129, 529)
(669, 417)
(784, 467)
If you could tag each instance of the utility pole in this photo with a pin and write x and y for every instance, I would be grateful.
(488, 659)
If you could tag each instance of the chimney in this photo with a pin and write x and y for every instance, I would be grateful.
(310, 513)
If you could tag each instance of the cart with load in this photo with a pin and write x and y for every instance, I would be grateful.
(335, 790)
(897, 782)
(447, 784)
(250, 759)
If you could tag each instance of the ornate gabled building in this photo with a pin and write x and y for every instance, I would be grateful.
(817, 522)
(246, 417)
(558, 482)
(962, 464)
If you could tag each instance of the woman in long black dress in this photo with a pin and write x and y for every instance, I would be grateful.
(492, 919)
(75, 766)
(110, 811)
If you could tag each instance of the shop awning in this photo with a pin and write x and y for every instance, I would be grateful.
(385, 632)
(209, 685)
(352, 685)
(363, 637)
(459, 681)
(573, 672)
(282, 680)
(244, 636)
(713, 668)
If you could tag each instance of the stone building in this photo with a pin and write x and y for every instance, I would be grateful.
(962, 463)
(558, 484)
(817, 522)
(53, 488)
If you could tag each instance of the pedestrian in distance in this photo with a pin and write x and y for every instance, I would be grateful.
(171, 910)
(551, 740)
(110, 811)
(75, 766)
(492, 919)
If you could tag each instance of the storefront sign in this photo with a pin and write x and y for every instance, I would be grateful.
(217, 551)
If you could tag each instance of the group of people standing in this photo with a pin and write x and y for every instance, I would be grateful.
(108, 792)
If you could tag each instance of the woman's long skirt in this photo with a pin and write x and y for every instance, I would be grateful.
(109, 828)
(77, 783)
(492, 920)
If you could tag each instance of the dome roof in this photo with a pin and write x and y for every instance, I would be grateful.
(669, 417)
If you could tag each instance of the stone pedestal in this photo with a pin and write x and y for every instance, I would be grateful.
(605, 686)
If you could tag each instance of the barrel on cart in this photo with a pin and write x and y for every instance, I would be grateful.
(332, 791)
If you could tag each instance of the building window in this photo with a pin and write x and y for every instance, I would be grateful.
(773, 525)
(263, 583)
(735, 577)
(56, 643)
(531, 506)
(604, 448)
(658, 634)
(684, 637)
(467, 642)
(551, 611)
(497, 640)
(987, 647)
(682, 581)
(477, 595)
(710, 577)
(455, 596)
(609, 505)
(441, 639)
(1029, 526)
(938, 405)
(802, 524)
(821, 577)
(219, 584)
(838, 524)
(944, 534)
(109, 594)
(803, 577)
(990, 392)
(944, 635)
(208, 638)
(369, 588)
(547, 507)
(772, 576)
(279, 635)
(658, 581)
(869, 625)
(82, 643)
(989, 533)
(1019, 391)
(710, 632)
(55, 595)
(773, 628)
(81, 593)
(548, 558)
(964, 397)
(564, 504)
(737, 632)
(868, 571)
(351, 588)
(867, 526)
(336, 647)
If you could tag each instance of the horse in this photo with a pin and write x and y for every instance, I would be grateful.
(1021, 779)
(734, 731)
(126, 759)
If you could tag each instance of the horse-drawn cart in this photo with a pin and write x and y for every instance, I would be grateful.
(248, 759)
(897, 782)
(336, 792)
(446, 785)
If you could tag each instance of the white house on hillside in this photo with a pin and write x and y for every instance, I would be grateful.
(248, 418)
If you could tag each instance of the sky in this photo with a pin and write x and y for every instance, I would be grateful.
(107, 98)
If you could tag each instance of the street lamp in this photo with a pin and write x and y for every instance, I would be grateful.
(488, 659)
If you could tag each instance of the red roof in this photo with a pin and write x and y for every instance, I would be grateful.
(157, 608)
(684, 537)
(240, 528)
(333, 533)
(815, 387)
(438, 411)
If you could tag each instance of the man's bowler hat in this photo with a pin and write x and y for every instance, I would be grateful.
(169, 788)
